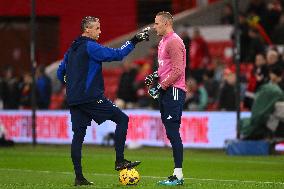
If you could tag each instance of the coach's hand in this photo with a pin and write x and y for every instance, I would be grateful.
(150, 78)
(141, 36)
(155, 91)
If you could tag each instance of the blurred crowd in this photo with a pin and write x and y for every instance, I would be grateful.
(16, 92)
(211, 81)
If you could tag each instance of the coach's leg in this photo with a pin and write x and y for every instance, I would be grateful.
(76, 149)
(80, 122)
(121, 119)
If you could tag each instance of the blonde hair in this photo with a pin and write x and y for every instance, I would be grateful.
(166, 16)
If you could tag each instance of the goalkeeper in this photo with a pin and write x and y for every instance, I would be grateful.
(81, 70)
(170, 89)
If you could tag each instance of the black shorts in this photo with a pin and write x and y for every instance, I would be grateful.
(99, 111)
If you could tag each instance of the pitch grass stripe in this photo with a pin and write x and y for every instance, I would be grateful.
(160, 158)
(152, 177)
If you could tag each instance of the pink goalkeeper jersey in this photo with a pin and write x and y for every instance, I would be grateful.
(171, 58)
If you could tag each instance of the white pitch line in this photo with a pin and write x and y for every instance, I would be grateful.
(146, 176)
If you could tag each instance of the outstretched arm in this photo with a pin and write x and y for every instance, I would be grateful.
(105, 54)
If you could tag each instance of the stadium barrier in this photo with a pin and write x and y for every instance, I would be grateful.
(198, 129)
(248, 147)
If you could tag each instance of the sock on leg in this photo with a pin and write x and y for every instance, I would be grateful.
(178, 173)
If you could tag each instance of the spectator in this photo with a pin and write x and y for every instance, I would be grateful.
(261, 70)
(273, 58)
(26, 92)
(210, 85)
(227, 96)
(244, 37)
(257, 7)
(227, 15)
(43, 85)
(277, 36)
(10, 89)
(196, 98)
(272, 15)
(256, 79)
(126, 94)
(255, 127)
(256, 45)
(218, 66)
(275, 76)
(199, 55)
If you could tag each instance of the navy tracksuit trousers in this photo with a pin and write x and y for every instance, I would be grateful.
(171, 103)
(99, 111)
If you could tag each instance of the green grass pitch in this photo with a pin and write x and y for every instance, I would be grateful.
(48, 166)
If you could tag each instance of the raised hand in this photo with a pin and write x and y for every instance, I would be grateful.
(141, 36)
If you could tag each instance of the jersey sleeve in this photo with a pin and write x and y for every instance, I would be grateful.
(105, 54)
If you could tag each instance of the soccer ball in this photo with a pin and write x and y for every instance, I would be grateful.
(129, 176)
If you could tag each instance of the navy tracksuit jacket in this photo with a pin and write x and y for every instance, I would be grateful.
(82, 66)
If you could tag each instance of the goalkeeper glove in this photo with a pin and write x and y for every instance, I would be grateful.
(155, 91)
(141, 36)
(150, 78)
